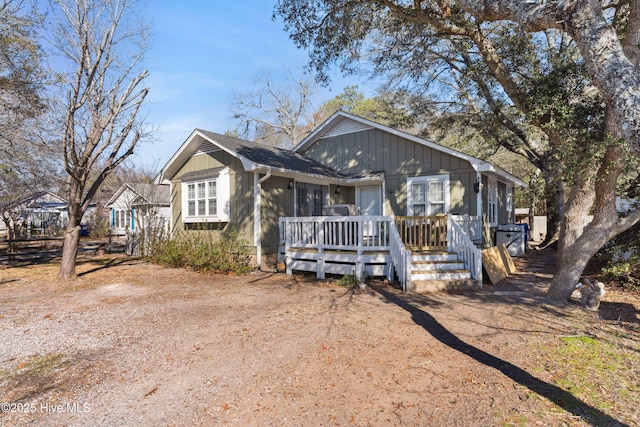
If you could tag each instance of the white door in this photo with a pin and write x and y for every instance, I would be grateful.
(370, 204)
(369, 201)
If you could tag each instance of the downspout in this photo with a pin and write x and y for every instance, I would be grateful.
(257, 216)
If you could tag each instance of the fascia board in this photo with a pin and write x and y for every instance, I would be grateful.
(186, 150)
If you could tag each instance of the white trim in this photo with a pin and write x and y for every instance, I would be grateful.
(192, 146)
(509, 204)
(223, 196)
(492, 190)
(426, 179)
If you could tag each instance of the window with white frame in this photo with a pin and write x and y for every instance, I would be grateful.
(121, 218)
(428, 195)
(510, 204)
(202, 198)
(492, 203)
(206, 199)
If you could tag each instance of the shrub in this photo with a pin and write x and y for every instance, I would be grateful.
(621, 259)
(204, 251)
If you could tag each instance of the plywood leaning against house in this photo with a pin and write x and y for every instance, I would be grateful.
(493, 264)
(506, 258)
(498, 263)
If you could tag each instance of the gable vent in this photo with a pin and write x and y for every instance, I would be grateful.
(206, 147)
(345, 126)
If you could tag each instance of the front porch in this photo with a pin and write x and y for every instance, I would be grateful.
(422, 253)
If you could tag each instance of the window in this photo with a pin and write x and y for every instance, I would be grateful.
(206, 195)
(212, 198)
(510, 204)
(418, 191)
(492, 203)
(122, 219)
(428, 195)
(436, 197)
(202, 199)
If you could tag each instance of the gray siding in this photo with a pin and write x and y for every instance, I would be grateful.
(277, 201)
(375, 150)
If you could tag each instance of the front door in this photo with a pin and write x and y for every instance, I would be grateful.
(310, 199)
(369, 201)
(369, 204)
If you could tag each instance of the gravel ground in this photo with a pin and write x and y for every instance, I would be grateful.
(128, 343)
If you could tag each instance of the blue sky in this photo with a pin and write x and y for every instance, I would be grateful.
(201, 53)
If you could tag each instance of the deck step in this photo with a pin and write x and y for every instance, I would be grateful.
(440, 275)
(434, 256)
(426, 286)
(437, 265)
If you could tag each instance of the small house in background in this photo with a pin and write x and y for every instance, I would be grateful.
(354, 197)
(135, 205)
(43, 213)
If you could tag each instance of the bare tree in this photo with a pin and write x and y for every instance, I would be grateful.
(25, 165)
(275, 114)
(103, 44)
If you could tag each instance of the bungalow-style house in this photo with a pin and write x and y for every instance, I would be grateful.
(137, 205)
(353, 197)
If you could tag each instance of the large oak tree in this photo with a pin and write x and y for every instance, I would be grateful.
(341, 31)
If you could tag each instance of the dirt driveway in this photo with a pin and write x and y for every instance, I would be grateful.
(130, 343)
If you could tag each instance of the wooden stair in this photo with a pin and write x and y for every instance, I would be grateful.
(433, 271)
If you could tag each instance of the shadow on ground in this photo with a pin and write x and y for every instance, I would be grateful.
(557, 395)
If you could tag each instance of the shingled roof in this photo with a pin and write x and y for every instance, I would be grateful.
(271, 157)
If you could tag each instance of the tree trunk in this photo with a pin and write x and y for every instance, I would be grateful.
(69, 252)
(575, 217)
(574, 255)
(575, 259)
(71, 234)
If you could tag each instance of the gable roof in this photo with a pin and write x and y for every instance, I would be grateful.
(145, 194)
(42, 200)
(254, 156)
(341, 123)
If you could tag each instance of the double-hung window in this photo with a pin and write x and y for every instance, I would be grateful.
(205, 195)
(427, 195)
(202, 198)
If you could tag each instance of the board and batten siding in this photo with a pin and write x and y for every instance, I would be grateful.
(375, 150)
(277, 201)
(241, 197)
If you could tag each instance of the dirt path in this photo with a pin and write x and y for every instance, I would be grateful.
(129, 343)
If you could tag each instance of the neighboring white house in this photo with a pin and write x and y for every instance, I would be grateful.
(134, 205)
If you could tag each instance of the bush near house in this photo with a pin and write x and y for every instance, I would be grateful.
(204, 251)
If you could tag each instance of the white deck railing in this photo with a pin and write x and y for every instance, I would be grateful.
(400, 258)
(360, 234)
(461, 243)
(471, 225)
(336, 232)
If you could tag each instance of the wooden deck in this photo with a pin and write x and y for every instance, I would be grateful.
(373, 245)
